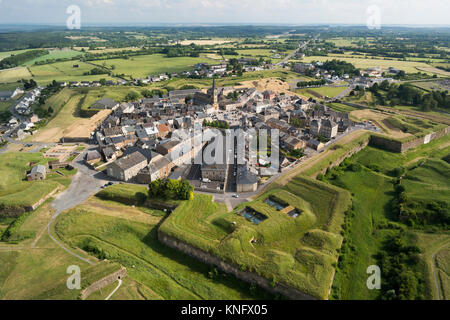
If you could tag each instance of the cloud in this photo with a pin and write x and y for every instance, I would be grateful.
(233, 11)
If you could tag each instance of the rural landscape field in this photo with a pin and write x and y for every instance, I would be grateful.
(244, 160)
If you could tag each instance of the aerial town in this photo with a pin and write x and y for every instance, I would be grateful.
(245, 162)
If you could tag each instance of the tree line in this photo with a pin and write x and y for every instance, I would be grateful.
(18, 59)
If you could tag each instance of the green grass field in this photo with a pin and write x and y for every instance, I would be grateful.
(40, 272)
(329, 91)
(14, 191)
(64, 71)
(341, 107)
(55, 54)
(373, 193)
(6, 54)
(146, 65)
(12, 75)
(362, 63)
(371, 203)
(256, 54)
(306, 265)
(128, 236)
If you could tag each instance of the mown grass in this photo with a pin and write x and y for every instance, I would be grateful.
(436, 244)
(55, 54)
(14, 191)
(328, 91)
(133, 243)
(341, 107)
(414, 126)
(146, 65)
(372, 194)
(298, 252)
(64, 71)
(407, 66)
(15, 74)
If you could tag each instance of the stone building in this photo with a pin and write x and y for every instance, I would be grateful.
(128, 167)
(39, 172)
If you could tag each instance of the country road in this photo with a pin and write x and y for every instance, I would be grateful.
(300, 47)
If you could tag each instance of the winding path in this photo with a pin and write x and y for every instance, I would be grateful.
(433, 268)
(114, 291)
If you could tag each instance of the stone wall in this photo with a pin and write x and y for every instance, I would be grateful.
(400, 147)
(15, 212)
(97, 285)
(249, 277)
(341, 159)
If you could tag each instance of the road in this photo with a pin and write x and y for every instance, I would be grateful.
(84, 184)
(300, 47)
(114, 291)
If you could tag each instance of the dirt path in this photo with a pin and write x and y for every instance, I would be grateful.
(114, 291)
(433, 267)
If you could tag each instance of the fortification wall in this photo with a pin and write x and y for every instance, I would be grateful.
(97, 285)
(249, 277)
(398, 146)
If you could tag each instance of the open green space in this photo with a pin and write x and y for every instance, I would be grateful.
(363, 63)
(14, 74)
(128, 235)
(376, 220)
(64, 71)
(303, 257)
(15, 192)
(54, 55)
(146, 65)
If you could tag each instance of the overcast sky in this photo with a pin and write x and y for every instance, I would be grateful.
(412, 12)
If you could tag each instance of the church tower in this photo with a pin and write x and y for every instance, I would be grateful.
(214, 94)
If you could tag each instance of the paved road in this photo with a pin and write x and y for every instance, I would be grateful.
(84, 184)
(300, 47)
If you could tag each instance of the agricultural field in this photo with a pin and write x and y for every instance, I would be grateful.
(128, 235)
(328, 91)
(208, 42)
(249, 236)
(143, 66)
(55, 54)
(6, 54)
(64, 71)
(256, 54)
(362, 63)
(103, 49)
(69, 123)
(14, 74)
(339, 107)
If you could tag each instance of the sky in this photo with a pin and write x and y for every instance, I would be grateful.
(297, 12)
